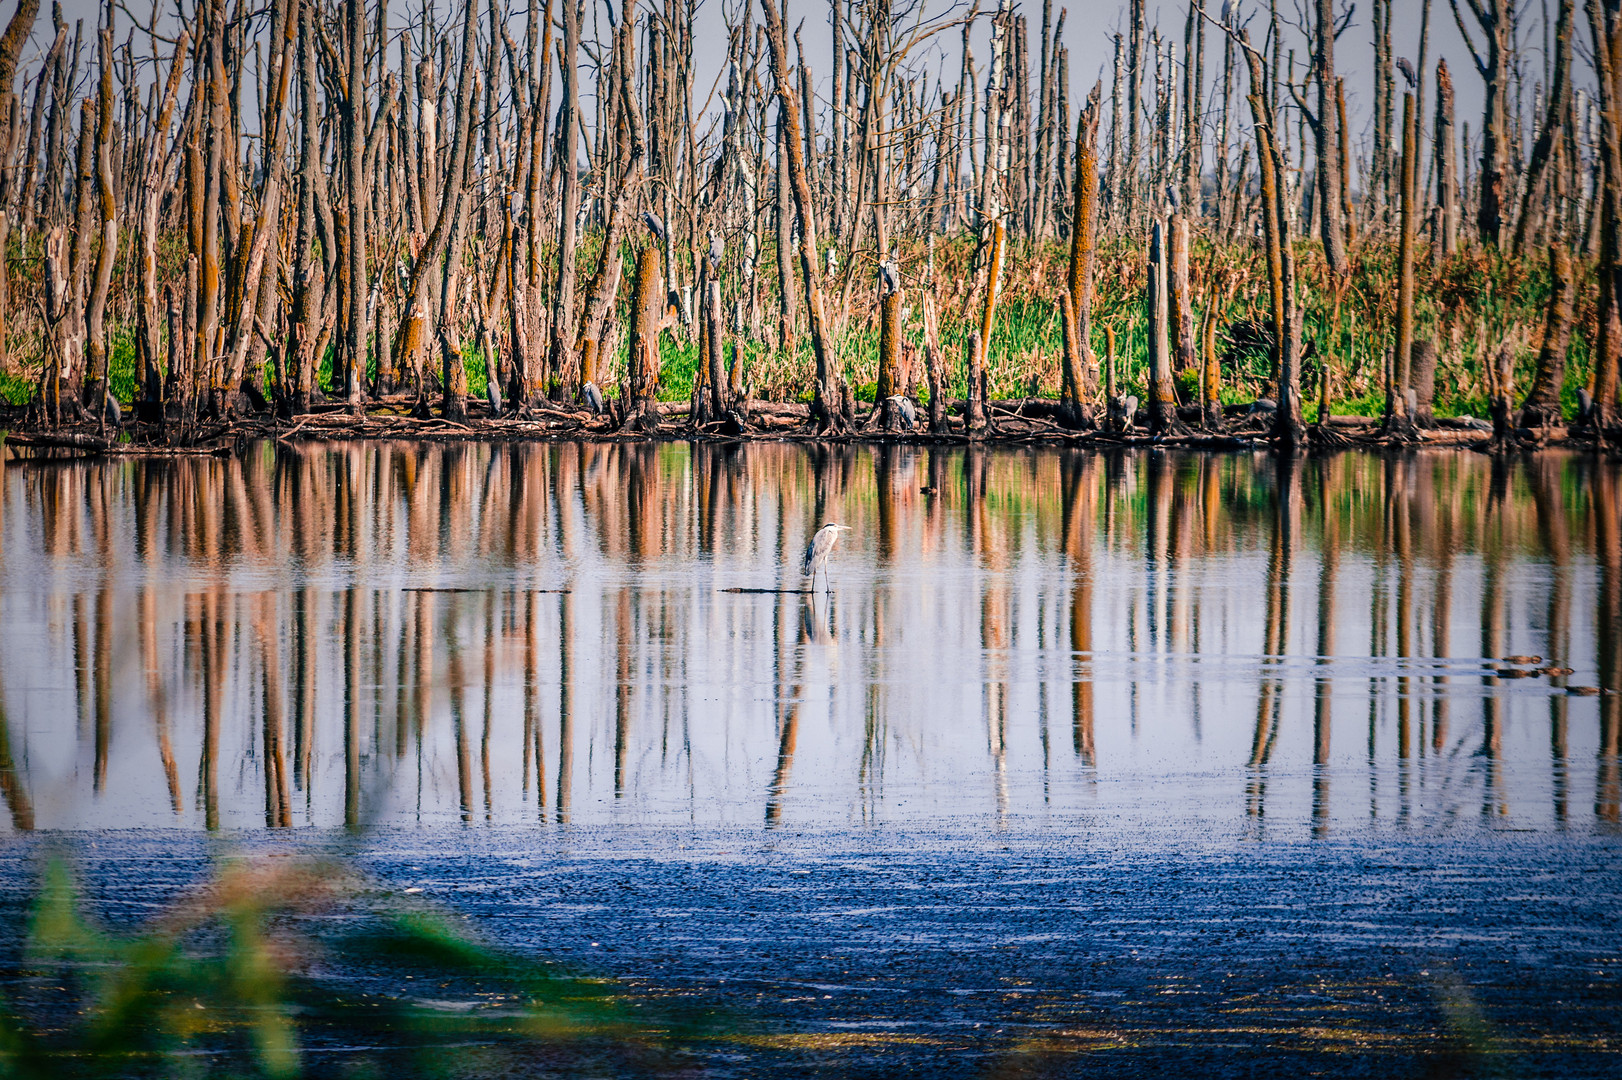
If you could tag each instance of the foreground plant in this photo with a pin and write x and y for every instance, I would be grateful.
(274, 963)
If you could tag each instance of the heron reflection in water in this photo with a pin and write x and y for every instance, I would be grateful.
(817, 552)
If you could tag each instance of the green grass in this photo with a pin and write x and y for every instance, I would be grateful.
(1474, 298)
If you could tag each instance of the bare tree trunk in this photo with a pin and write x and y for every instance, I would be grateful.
(1399, 420)
(1493, 63)
(1607, 38)
(1447, 164)
(1184, 350)
(354, 143)
(1542, 406)
(1288, 428)
(97, 385)
(427, 267)
(1326, 131)
(1162, 392)
(934, 369)
(988, 316)
(647, 322)
(829, 405)
(974, 409)
(159, 159)
(1082, 366)
(785, 246)
(1558, 106)
(889, 359)
(562, 361)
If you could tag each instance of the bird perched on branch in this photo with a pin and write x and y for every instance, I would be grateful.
(889, 279)
(1408, 72)
(817, 552)
(654, 224)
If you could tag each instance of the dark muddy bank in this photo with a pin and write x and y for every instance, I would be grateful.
(1032, 421)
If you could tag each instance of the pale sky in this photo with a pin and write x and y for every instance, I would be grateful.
(1088, 34)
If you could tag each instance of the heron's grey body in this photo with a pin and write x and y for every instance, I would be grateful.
(655, 225)
(889, 279)
(1129, 410)
(112, 411)
(909, 414)
(492, 393)
(594, 398)
(818, 550)
(717, 252)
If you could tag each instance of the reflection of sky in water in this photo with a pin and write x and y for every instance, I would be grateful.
(1130, 641)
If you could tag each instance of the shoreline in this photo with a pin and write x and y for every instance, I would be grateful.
(1015, 422)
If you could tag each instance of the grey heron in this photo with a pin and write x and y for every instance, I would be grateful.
(1228, 12)
(1129, 409)
(904, 407)
(492, 392)
(818, 550)
(654, 224)
(717, 250)
(1408, 72)
(111, 411)
(594, 398)
(889, 279)
(1585, 406)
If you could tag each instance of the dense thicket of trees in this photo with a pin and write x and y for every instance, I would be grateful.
(255, 207)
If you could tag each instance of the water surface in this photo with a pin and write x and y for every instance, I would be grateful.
(1179, 647)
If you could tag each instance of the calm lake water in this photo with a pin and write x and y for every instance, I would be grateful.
(614, 635)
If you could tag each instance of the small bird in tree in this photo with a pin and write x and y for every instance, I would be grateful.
(717, 250)
(594, 398)
(889, 279)
(655, 225)
(1408, 72)
(817, 552)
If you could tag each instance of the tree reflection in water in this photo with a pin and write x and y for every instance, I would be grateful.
(393, 633)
